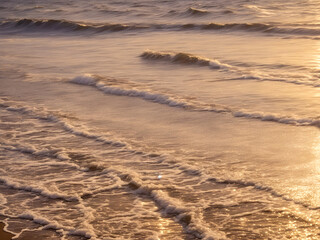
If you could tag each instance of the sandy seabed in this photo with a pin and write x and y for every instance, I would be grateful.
(3, 234)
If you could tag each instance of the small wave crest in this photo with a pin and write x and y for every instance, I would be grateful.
(184, 58)
(237, 26)
(255, 27)
(194, 11)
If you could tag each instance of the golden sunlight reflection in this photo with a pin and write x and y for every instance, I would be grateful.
(316, 60)
(163, 225)
(316, 152)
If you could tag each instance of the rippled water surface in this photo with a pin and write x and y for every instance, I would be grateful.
(160, 119)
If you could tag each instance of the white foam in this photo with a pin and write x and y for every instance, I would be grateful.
(92, 80)
(38, 190)
(49, 224)
(186, 215)
(57, 117)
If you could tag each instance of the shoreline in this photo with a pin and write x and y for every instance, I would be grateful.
(3, 234)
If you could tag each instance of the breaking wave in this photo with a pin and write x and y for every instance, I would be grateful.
(191, 59)
(184, 58)
(114, 87)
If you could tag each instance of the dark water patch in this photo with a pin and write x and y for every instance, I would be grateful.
(228, 12)
(3, 234)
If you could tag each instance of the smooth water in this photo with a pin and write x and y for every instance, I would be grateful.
(160, 119)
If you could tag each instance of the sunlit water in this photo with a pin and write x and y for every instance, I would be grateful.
(160, 119)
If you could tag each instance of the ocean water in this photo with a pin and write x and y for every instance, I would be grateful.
(171, 120)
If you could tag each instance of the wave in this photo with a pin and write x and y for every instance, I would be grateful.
(256, 27)
(191, 59)
(117, 88)
(65, 25)
(184, 58)
(81, 27)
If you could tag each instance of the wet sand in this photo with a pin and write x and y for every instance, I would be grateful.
(4, 235)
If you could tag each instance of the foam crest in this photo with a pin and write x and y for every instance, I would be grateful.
(106, 86)
(103, 85)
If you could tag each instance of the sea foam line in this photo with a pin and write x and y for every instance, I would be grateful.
(104, 85)
(170, 207)
(43, 114)
(54, 225)
(38, 190)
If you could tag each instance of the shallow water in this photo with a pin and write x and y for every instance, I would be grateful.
(160, 119)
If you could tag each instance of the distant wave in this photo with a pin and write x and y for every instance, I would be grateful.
(72, 26)
(117, 88)
(255, 27)
(64, 25)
